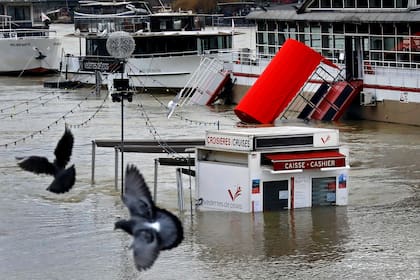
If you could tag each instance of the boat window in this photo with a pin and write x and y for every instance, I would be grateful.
(375, 28)
(96, 47)
(271, 38)
(350, 3)
(362, 3)
(375, 3)
(350, 28)
(177, 24)
(154, 45)
(19, 13)
(337, 3)
(401, 3)
(261, 26)
(163, 25)
(402, 29)
(388, 3)
(210, 43)
(325, 4)
(316, 36)
(271, 25)
(338, 28)
(363, 28)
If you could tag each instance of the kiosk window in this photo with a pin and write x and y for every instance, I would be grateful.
(323, 191)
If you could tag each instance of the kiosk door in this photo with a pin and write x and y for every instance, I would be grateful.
(276, 195)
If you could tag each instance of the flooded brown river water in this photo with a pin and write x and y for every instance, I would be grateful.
(71, 236)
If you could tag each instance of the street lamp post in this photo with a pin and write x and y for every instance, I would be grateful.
(119, 96)
(121, 45)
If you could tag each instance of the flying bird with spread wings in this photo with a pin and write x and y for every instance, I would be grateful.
(153, 228)
(64, 179)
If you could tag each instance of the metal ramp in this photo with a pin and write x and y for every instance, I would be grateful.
(204, 85)
(324, 96)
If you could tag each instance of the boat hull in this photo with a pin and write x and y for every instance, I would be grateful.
(387, 111)
(37, 55)
(172, 72)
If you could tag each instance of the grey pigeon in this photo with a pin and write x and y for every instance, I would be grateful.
(64, 179)
(153, 229)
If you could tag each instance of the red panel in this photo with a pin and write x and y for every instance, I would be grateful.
(333, 94)
(327, 102)
(358, 85)
(279, 83)
(307, 160)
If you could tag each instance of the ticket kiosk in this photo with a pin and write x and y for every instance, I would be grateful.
(270, 169)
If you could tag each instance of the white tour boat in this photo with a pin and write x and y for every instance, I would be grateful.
(169, 48)
(26, 47)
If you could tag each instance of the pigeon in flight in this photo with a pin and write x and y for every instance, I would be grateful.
(63, 178)
(153, 229)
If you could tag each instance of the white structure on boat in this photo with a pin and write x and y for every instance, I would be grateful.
(271, 168)
(375, 42)
(27, 47)
(169, 48)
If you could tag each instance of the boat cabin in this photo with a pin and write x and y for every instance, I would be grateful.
(376, 43)
(271, 169)
(162, 34)
(19, 14)
(95, 8)
(21, 19)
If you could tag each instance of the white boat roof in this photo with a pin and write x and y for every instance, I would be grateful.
(271, 131)
(170, 13)
(98, 3)
(336, 16)
(181, 33)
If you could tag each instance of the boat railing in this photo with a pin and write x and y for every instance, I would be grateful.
(390, 73)
(109, 23)
(165, 54)
(10, 29)
(244, 56)
(239, 56)
(5, 22)
(27, 32)
(224, 55)
(372, 65)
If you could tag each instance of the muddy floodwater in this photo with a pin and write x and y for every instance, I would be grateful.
(71, 236)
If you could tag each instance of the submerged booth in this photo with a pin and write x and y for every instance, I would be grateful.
(271, 168)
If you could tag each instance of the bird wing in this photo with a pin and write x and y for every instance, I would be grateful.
(137, 195)
(63, 181)
(63, 149)
(171, 232)
(125, 225)
(145, 248)
(36, 165)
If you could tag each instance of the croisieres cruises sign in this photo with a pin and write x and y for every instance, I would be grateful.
(232, 142)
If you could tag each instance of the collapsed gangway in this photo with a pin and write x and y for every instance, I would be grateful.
(205, 85)
(298, 83)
